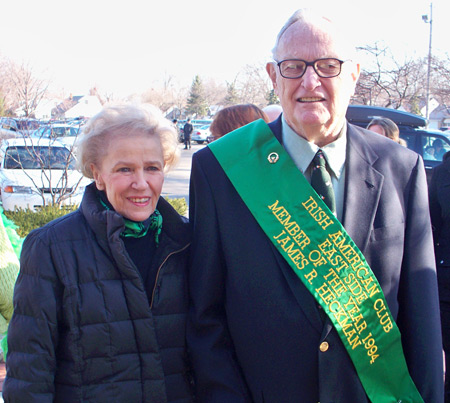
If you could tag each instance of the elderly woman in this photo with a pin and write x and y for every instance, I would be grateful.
(101, 298)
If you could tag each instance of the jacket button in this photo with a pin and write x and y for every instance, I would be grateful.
(324, 346)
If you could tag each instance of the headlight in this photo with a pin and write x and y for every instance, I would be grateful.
(17, 189)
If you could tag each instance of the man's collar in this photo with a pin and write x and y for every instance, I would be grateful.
(302, 151)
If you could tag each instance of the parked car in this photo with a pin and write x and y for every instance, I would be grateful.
(8, 124)
(430, 144)
(65, 133)
(27, 126)
(201, 134)
(35, 170)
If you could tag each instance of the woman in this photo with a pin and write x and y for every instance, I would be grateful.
(101, 298)
(387, 128)
(233, 117)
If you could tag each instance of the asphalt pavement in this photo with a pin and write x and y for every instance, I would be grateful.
(176, 181)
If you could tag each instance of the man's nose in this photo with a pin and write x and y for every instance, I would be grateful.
(310, 79)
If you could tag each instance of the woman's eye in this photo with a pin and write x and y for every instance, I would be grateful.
(124, 169)
(153, 168)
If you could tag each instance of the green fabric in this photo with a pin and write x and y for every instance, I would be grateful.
(138, 229)
(4, 345)
(15, 239)
(323, 256)
(10, 247)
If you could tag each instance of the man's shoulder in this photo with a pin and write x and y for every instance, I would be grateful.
(382, 146)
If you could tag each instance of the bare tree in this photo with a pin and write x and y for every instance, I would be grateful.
(26, 88)
(7, 103)
(440, 81)
(388, 82)
(253, 85)
(214, 92)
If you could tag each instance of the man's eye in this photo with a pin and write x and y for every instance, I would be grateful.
(294, 66)
(124, 169)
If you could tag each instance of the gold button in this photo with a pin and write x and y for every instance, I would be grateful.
(324, 346)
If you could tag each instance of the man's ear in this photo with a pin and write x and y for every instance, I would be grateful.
(271, 71)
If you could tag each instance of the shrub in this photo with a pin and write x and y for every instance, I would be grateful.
(27, 220)
(179, 205)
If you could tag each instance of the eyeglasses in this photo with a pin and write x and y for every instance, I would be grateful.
(296, 68)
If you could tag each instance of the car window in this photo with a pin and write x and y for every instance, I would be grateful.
(19, 157)
(434, 147)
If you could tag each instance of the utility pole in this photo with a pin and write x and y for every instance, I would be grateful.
(429, 20)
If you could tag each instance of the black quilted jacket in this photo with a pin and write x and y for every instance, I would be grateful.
(84, 329)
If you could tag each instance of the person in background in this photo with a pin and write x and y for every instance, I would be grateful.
(187, 131)
(387, 128)
(273, 111)
(101, 300)
(233, 117)
(439, 149)
(306, 232)
(428, 153)
(177, 128)
(439, 194)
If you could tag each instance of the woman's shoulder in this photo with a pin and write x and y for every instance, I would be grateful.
(63, 228)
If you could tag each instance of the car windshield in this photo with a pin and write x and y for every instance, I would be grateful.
(58, 131)
(38, 157)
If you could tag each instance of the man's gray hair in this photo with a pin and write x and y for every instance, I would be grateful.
(309, 16)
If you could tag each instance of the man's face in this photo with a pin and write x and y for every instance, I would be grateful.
(312, 104)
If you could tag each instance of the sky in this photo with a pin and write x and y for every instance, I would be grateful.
(129, 46)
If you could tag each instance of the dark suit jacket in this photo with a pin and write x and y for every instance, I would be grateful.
(440, 211)
(255, 330)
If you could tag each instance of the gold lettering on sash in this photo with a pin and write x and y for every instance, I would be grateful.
(317, 213)
(385, 320)
(342, 281)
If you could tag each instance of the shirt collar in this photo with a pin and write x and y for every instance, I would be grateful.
(302, 151)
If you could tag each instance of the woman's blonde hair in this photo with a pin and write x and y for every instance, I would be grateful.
(120, 121)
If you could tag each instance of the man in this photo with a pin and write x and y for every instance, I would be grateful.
(272, 111)
(187, 130)
(261, 328)
(439, 196)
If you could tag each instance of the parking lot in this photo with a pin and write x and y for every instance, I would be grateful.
(176, 182)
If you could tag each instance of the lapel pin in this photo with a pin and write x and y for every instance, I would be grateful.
(273, 158)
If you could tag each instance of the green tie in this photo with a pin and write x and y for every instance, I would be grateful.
(321, 181)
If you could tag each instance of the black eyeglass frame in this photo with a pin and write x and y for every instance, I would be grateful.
(312, 64)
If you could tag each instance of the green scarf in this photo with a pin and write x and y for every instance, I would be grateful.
(138, 229)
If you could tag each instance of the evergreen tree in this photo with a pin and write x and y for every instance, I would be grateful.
(232, 97)
(272, 98)
(196, 103)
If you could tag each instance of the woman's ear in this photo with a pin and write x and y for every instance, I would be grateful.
(97, 178)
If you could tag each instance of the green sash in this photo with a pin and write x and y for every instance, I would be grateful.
(322, 255)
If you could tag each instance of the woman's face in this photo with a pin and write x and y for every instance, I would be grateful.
(131, 174)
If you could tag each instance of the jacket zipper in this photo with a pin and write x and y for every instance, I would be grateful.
(159, 270)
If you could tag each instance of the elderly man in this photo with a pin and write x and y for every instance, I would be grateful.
(312, 274)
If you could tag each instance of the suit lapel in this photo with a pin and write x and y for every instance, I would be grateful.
(363, 184)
